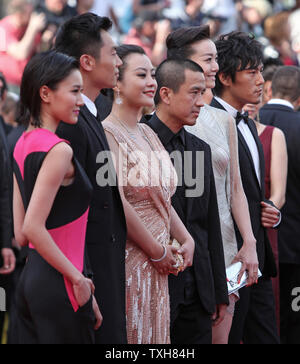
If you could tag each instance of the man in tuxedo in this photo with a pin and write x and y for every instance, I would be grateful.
(281, 112)
(240, 82)
(199, 295)
(86, 38)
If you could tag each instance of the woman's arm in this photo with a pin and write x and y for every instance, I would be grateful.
(240, 211)
(136, 230)
(49, 180)
(278, 175)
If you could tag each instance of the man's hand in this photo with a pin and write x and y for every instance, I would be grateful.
(9, 261)
(187, 250)
(219, 316)
(269, 216)
(98, 315)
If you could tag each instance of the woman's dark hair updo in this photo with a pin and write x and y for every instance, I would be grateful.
(124, 52)
(45, 69)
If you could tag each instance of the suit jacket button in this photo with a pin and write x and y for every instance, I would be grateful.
(105, 206)
(113, 238)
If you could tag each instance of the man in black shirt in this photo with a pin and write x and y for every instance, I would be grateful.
(199, 296)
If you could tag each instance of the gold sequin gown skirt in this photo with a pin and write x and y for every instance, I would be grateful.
(147, 292)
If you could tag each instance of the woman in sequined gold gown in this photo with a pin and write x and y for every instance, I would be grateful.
(147, 181)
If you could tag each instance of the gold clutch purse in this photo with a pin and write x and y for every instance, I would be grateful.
(179, 258)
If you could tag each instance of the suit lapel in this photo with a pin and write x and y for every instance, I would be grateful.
(217, 105)
(253, 130)
(96, 126)
(246, 149)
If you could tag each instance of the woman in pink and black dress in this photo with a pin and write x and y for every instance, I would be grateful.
(51, 203)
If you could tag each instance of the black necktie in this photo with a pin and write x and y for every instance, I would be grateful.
(240, 117)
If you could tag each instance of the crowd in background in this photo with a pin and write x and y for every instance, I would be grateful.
(28, 27)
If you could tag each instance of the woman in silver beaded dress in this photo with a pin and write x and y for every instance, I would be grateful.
(147, 181)
(218, 129)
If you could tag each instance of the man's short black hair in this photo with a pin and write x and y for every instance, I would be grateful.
(180, 42)
(171, 74)
(237, 51)
(82, 35)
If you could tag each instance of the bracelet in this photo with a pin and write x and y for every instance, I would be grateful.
(162, 258)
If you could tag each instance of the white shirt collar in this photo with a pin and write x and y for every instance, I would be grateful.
(281, 102)
(90, 105)
(230, 109)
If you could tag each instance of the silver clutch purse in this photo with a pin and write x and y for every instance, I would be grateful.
(232, 274)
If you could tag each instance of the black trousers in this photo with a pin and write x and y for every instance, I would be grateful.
(190, 323)
(45, 313)
(290, 304)
(254, 320)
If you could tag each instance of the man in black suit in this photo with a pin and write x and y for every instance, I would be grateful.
(281, 113)
(199, 296)
(238, 83)
(86, 37)
(104, 105)
(7, 257)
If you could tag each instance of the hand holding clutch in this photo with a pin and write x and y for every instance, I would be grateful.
(232, 274)
(178, 257)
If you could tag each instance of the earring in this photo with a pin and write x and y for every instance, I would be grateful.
(119, 100)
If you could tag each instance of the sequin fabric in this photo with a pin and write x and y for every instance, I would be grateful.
(149, 181)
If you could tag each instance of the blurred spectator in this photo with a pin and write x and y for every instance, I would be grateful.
(150, 33)
(278, 31)
(294, 22)
(139, 6)
(19, 38)
(104, 8)
(84, 6)
(192, 15)
(253, 14)
(56, 13)
(9, 112)
(134, 8)
(223, 10)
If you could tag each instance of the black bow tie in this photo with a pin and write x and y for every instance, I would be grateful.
(240, 117)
